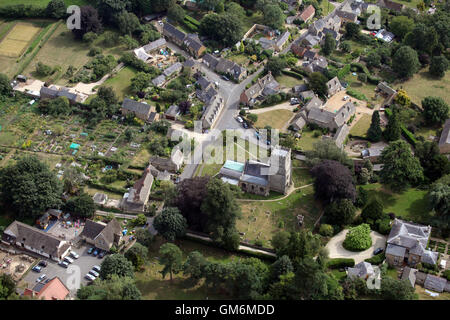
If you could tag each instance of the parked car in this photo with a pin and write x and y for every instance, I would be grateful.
(245, 125)
(239, 119)
(96, 268)
(74, 255)
(225, 78)
(42, 263)
(91, 249)
(41, 278)
(378, 251)
(95, 252)
(64, 264)
(36, 269)
(94, 273)
(89, 277)
(101, 254)
(294, 101)
(68, 260)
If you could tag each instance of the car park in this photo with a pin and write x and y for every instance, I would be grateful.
(42, 263)
(41, 278)
(74, 255)
(89, 277)
(68, 260)
(96, 268)
(90, 250)
(64, 264)
(36, 269)
(94, 273)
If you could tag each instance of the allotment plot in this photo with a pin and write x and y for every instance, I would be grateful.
(18, 39)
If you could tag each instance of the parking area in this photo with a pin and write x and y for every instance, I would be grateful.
(85, 263)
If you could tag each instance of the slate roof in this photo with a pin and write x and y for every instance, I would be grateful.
(445, 135)
(135, 106)
(344, 113)
(283, 38)
(320, 115)
(203, 82)
(210, 60)
(407, 234)
(307, 94)
(213, 108)
(347, 15)
(340, 135)
(383, 86)
(159, 80)
(314, 103)
(300, 88)
(193, 42)
(35, 238)
(360, 270)
(141, 54)
(170, 30)
(177, 66)
(435, 283)
(141, 189)
(395, 250)
(49, 91)
(189, 63)
(310, 54)
(334, 84)
(173, 110)
(409, 274)
(95, 231)
(154, 45)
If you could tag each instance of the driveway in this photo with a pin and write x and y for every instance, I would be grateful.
(336, 250)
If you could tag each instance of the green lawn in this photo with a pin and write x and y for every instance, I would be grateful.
(301, 177)
(121, 82)
(360, 128)
(411, 204)
(154, 287)
(288, 82)
(261, 219)
(239, 58)
(277, 119)
(326, 7)
(307, 140)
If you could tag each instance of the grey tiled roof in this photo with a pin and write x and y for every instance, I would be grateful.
(177, 66)
(314, 103)
(445, 136)
(407, 234)
(435, 283)
(360, 270)
(173, 32)
(135, 106)
(155, 45)
(159, 80)
(409, 274)
(394, 250)
(341, 134)
(320, 115)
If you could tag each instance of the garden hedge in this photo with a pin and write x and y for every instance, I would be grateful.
(370, 78)
(377, 259)
(340, 263)
(358, 238)
(406, 133)
(292, 74)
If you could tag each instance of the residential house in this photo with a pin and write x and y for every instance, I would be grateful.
(312, 103)
(53, 92)
(347, 16)
(141, 54)
(385, 35)
(318, 65)
(374, 152)
(253, 176)
(298, 48)
(362, 270)
(171, 164)
(136, 199)
(159, 80)
(194, 46)
(389, 93)
(100, 198)
(407, 243)
(173, 34)
(223, 66)
(173, 69)
(211, 112)
(409, 274)
(444, 141)
(282, 40)
(340, 135)
(307, 95)
(391, 5)
(139, 109)
(311, 41)
(311, 55)
(334, 86)
(155, 45)
(210, 61)
(54, 289)
(172, 112)
(357, 7)
(191, 65)
(328, 23)
(435, 283)
(264, 86)
(299, 89)
(35, 240)
(308, 13)
(299, 122)
(331, 120)
(102, 235)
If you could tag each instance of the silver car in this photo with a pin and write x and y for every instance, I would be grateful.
(94, 273)
(89, 277)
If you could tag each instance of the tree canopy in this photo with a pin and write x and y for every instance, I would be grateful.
(230, 31)
(116, 264)
(170, 223)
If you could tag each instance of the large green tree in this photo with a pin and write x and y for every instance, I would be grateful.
(434, 164)
(137, 254)
(401, 25)
(194, 266)
(393, 130)
(170, 223)
(396, 289)
(176, 13)
(28, 187)
(329, 44)
(81, 206)
(5, 85)
(171, 257)
(318, 84)
(401, 169)
(373, 211)
(374, 133)
(438, 66)
(405, 62)
(116, 264)
(230, 32)
(128, 23)
(273, 16)
(56, 9)
(422, 38)
(340, 212)
(115, 288)
(435, 110)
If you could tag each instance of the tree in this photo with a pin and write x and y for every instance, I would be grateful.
(345, 46)
(171, 257)
(89, 22)
(401, 25)
(7, 286)
(116, 288)
(438, 66)
(405, 62)
(81, 206)
(435, 110)
(230, 31)
(56, 9)
(340, 212)
(176, 13)
(401, 168)
(111, 9)
(439, 198)
(329, 45)
(140, 81)
(402, 98)
(235, 10)
(318, 83)
(43, 70)
(333, 181)
(195, 265)
(374, 59)
(28, 187)
(374, 133)
(275, 65)
(280, 241)
(352, 30)
(170, 224)
(208, 5)
(282, 266)
(395, 289)
(222, 210)
(358, 238)
(5, 85)
(393, 130)
(184, 106)
(252, 117)
(116, 264)
(434, 164)
(273, 16)
(128, 42)
(422, 38)
(373, 211)
(128, 23)
(143, 236)
(161, 5)
(137, 254)
(55, 107)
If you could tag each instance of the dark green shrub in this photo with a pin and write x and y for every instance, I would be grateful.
(358, 238)
(340, 263)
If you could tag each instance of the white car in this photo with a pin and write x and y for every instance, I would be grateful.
(42, 277)
(96, 268)
(74, 255)
(89, 277)
(239, 119)
(94, 273)
(68, 260)
(346, 98)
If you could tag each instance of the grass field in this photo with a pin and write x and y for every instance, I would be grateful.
(261, 219)
(307, 140)
(17, 39)
(411, 204)
(277, 119)
(287, 81)
(422, 85)
(326, 7)
(40, 3)
(360, 128)
(301, 177)
(121, 82)
(154, 287)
